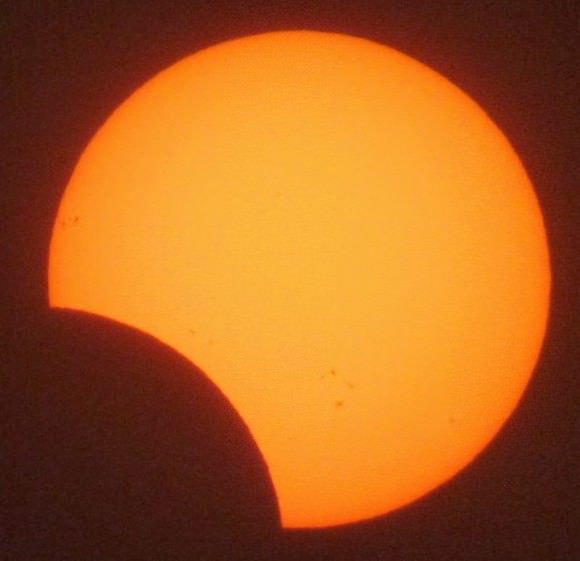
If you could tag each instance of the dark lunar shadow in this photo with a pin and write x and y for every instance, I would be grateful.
(114, 446)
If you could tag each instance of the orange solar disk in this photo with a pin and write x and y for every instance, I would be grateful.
(340, 238)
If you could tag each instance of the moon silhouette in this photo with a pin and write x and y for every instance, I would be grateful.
(118, 448)
(340, 238)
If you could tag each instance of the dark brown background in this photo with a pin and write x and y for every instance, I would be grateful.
(66, 65)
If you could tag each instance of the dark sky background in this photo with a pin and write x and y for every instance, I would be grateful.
(104, 455)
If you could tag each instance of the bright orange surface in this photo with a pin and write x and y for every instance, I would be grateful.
(340, 238)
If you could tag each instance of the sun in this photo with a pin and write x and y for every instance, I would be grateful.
(340, 238)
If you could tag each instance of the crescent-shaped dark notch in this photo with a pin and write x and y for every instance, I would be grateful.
(114, 446)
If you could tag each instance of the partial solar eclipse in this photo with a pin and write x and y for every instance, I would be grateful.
(340, 238)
